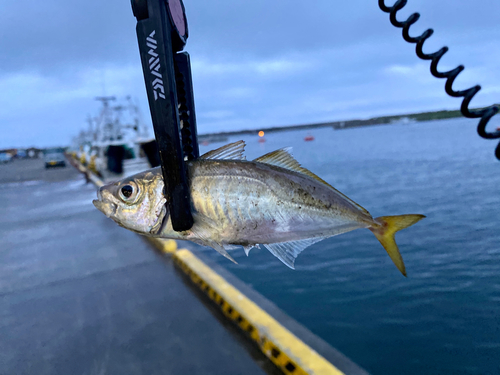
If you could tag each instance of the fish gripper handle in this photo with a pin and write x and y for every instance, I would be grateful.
(485, 114)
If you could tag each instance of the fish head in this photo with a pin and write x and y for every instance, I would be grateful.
(136, 203)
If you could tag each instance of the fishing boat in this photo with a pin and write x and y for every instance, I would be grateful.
(116, 142)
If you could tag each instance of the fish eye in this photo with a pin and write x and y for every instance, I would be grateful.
(128, 192)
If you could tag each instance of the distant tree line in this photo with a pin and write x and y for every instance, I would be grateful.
(412, 117)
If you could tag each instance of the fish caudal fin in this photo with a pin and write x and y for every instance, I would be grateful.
(388, 226)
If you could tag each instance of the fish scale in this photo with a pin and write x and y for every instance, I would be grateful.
(292, 220)
(220, 196)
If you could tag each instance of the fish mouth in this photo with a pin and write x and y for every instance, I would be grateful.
(107, 208)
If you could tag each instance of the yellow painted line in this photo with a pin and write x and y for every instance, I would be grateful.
(281, 346)
(95, 180)
(91, 176)
(165, 246)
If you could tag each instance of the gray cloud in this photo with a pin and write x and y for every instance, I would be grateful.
(255, 63)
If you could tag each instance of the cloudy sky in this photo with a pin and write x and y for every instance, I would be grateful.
(255, 63)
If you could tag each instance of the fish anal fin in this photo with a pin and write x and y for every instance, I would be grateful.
(284, 159)
(288, 251)
(231, 151)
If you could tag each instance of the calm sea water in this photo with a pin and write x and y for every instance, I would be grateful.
(445, 317)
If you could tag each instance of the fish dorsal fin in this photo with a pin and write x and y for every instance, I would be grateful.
(284, 159)
(232, 151)
(288, 251)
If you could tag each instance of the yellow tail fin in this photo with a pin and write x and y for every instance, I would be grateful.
(384, 232)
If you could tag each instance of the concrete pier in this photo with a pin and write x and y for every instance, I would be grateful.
(80, 295)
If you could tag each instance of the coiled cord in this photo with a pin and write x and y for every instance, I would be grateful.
(485, 113)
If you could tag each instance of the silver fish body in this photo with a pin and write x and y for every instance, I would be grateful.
(271, 201)
(249, 203)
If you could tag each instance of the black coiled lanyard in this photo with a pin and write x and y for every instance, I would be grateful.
(484, 113)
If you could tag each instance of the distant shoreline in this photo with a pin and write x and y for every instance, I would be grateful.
(338, 125)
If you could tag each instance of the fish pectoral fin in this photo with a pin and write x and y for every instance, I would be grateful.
(288, 251)
(222, 249)
(232, 151)
(203, 236)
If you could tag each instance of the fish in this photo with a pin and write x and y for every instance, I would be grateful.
(271, 201)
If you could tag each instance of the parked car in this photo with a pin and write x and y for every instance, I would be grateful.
(54, 157)
(21, 154)
(5, 158)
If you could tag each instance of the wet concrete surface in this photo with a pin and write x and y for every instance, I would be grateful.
(20, 170)
(80, 295)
